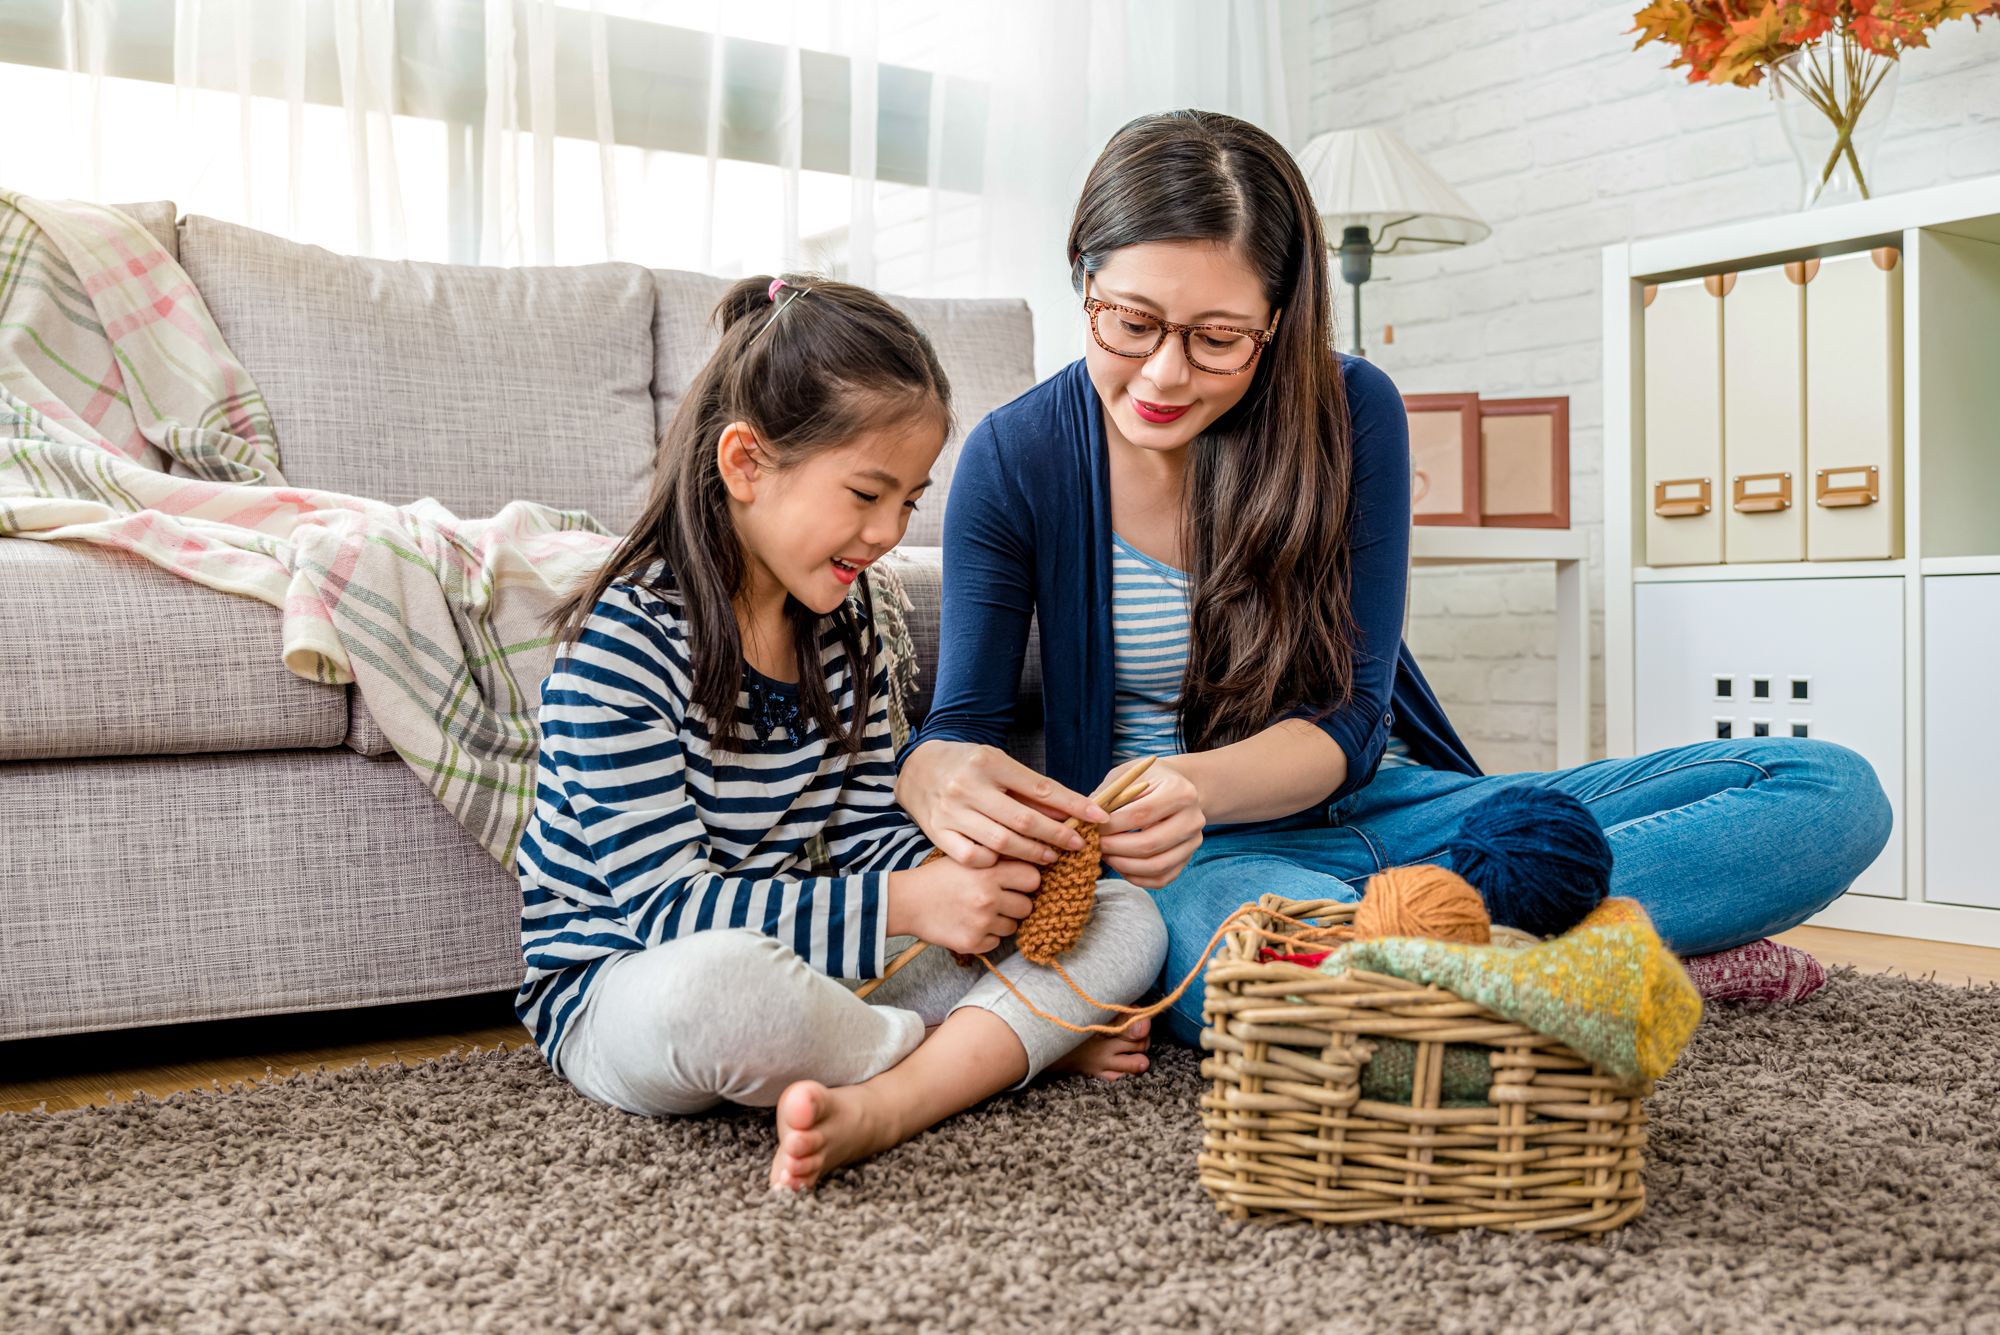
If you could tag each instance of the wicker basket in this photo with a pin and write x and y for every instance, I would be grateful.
(1556, 1151)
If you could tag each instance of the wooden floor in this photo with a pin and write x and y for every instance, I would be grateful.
(77, 1071)
(1899, 954)
(72, 1071)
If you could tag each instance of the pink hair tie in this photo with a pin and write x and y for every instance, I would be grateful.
(772, 295)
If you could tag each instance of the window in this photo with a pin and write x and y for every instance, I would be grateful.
(231, 143)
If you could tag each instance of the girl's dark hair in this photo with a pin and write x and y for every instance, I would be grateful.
(1265, 532)
(824, 363)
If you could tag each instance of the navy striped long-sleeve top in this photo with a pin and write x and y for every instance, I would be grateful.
(643, 832)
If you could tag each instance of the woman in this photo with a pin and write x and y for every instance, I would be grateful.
(1210, 514)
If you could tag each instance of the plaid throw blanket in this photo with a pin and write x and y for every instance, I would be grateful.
(112, 373)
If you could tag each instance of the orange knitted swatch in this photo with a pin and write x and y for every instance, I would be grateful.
(1063, 904)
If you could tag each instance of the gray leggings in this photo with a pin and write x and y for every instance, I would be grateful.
(735, 1016)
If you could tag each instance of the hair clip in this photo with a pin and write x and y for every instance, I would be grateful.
(779, 314)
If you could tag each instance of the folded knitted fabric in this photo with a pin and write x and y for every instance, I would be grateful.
(1608, 987)
(1390, 1076)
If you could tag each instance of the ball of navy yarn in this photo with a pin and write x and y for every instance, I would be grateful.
(1536, 857)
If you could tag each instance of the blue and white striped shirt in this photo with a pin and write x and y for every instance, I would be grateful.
(1396, 755)
(1149, 649)
(642, 833)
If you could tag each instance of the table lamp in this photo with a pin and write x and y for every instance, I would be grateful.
(1378, 197)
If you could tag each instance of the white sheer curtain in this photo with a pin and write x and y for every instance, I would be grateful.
(922, 146)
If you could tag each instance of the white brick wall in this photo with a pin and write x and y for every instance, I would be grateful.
(1565, 139)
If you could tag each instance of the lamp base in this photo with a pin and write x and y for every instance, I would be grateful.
(1355, 334)
(1357, 262)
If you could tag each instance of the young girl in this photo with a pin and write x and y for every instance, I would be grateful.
(718, 701)
(1210, 511)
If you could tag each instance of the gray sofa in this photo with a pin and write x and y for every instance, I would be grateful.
(191, 832)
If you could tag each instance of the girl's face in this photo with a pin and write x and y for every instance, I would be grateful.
(811, 529)
(1161, 402)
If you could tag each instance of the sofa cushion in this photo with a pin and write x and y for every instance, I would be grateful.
(166, 889)
(987, 348)
(364, 734)
(103, 653)
(157, 217)
(473, 385)
(684, 334)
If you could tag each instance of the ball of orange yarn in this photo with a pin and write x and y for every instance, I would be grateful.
(1422, 901)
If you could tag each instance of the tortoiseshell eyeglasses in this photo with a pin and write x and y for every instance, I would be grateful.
(1219, 349)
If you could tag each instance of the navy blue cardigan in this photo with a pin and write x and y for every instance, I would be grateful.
(1028, 527)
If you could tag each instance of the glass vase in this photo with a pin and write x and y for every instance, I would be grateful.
(1833, 98)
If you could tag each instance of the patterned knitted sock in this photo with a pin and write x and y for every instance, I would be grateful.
(1762, 971)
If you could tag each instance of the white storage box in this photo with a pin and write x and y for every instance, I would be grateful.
(1683, 390)
(1763, 414)
(1854, 407)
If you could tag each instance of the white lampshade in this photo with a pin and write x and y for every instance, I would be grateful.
(1370, 178)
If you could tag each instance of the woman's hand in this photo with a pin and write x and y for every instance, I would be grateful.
(1150, 840)
(980, 805)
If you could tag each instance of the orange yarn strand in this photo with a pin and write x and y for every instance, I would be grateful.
(1134, 1013)
(1424, 901)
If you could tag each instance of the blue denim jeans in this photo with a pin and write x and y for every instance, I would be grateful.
(1722, 843)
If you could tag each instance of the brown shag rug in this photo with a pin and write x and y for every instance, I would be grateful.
(1830, 1167)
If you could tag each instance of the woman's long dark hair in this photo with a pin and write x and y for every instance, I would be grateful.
(1264, 532)
(821, 365)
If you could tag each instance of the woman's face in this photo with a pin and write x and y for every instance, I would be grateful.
(1161, 402)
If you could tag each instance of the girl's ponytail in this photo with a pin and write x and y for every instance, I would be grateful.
(746, 298)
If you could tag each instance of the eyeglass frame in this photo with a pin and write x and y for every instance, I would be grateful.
(1093, 306)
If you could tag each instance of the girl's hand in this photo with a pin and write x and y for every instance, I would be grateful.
(1149, 841)
(967, 909)
(980, 805)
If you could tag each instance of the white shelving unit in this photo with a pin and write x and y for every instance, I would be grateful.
(1949, 555)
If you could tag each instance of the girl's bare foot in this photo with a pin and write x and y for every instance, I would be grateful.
(821, 1129)
(1109, 1056)
(972, 1055)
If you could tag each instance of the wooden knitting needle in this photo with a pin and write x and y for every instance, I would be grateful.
(1118, 791)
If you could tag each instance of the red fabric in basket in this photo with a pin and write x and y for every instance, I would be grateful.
(1309, 958)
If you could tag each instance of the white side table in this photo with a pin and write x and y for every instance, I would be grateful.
(1439, 545)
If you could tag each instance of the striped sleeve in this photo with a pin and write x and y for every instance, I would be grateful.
(613, 746)
(867, 831)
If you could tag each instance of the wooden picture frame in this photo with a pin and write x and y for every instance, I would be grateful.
(1524, 462)
(1444, 458)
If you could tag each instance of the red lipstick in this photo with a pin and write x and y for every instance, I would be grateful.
(1159, 412)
